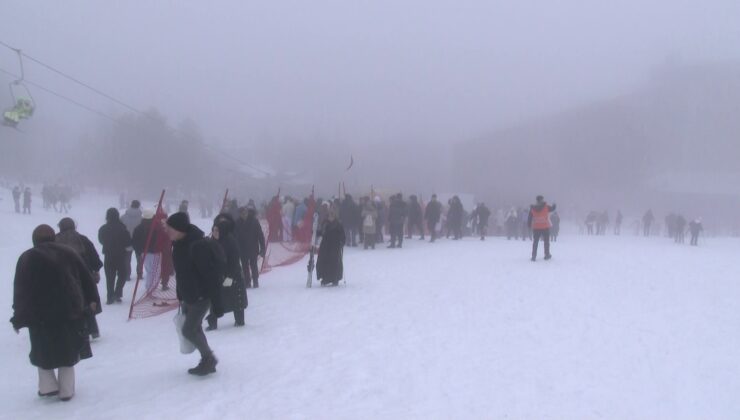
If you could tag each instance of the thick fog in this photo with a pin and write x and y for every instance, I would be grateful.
(597, 105)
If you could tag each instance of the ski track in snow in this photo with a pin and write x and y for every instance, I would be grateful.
(612, 327)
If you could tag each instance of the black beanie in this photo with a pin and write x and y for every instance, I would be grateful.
(179, 221)
(66, 224)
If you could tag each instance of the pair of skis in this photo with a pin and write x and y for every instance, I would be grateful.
(312, 252)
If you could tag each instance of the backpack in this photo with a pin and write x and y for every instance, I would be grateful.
(219, 257)
(368, 222)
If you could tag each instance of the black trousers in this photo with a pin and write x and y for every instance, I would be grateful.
(91, 324)
(545, 235)
(396, 235)
(115, 275)
(251, 271)
(415, 224)
(432, 226)
(192, 329)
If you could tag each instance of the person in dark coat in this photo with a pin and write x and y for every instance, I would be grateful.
(695, 228)
(69, 236)
(397, 212)
(233, 290)
(480, 215)
(251, 241)
(432, 214)
(680, 229)
(17, 199)
(199, 276)
(512, 224)
(382, 218)
(540, 224)
(555, 229)
(116, 241)
(647, 221)
(618, 223)
(455, 217)
(27, 201)
(415, 218)
(348, 213)
(524, 229)
(52, 290)
(329, 265)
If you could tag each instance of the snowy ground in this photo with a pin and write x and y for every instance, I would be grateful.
(611, 328)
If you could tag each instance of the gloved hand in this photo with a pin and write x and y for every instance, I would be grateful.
(96, 277)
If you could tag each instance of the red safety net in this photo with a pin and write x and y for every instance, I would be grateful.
(155, 284)
(283, 248)
(155, 293)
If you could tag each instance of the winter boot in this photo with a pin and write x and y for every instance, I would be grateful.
(206, 366)
(212, 323)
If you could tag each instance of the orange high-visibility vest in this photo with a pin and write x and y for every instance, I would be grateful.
(541, 218)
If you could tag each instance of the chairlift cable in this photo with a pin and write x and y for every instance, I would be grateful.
(118, 101)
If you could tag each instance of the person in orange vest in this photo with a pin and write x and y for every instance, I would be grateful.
(539, 222)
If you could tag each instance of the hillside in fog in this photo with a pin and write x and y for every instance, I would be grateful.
(675, 135)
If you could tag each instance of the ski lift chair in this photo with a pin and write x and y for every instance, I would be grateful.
(23, 107)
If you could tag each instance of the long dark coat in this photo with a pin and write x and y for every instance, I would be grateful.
(53, 286)
(234, 297)
(83, 246)
(329, 267)
(114, 237)
(197, 269)
(250, 237)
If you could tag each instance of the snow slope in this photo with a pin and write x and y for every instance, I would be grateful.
(613, 327)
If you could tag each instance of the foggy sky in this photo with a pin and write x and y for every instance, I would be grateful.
(355, 71)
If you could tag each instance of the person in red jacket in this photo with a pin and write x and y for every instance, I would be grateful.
(539, 222)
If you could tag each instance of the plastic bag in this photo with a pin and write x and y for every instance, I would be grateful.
(186, 347)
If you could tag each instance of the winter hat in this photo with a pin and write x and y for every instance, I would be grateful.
(179, 221)
(66, 224)
(540, 198)
(42, 233)
(112, 215)
(147, 214)
(135, 204)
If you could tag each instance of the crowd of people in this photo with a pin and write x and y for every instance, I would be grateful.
(57, 299)
(55, 197)
(676, 225)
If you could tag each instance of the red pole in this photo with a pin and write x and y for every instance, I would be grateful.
(157, 219)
